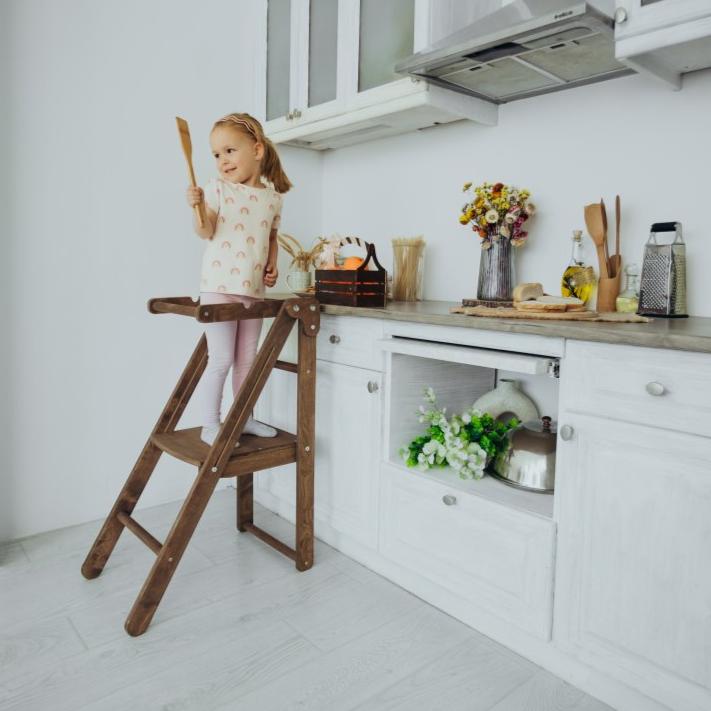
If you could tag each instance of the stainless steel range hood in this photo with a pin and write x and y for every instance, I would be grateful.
(525, 48)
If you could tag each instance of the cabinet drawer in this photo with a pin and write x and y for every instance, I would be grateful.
(498, 559)
(668, 389)
(351, 340)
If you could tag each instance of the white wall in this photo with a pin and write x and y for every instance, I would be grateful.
(629, 136)
(101, 225)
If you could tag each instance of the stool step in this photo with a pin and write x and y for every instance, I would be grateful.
(253, 454)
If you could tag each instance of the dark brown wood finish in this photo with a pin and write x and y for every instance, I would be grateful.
(146, 463)
(222, 458)
(245, 502)
(306, 439)
(153, 543)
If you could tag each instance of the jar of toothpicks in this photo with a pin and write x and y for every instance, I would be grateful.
(408, 268)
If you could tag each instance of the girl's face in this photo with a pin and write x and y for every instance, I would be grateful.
(237, 155)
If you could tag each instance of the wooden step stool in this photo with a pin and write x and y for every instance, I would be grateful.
(222, 459)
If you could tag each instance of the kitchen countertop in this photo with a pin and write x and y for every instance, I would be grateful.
(688, 334)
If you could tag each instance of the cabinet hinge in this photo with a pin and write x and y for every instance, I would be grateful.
(554, 369)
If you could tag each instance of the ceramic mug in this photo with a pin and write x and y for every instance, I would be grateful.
(298, 280)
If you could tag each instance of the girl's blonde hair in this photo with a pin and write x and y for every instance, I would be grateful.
(271, 165)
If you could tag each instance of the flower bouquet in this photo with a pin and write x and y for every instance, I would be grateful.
(466, 442)
(497, 213)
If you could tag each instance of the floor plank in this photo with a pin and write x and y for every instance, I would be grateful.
(471, 677)
(239, 628)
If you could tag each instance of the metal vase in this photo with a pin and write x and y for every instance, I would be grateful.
(496, 271)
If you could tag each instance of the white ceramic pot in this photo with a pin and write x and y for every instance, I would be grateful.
(507, 397)
(298, 280)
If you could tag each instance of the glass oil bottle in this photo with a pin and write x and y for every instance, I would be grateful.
(578, 278)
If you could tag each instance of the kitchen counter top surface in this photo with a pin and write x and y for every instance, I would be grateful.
(689, 334)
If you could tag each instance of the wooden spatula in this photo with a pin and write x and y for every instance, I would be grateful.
(185, 141)
(596, 228)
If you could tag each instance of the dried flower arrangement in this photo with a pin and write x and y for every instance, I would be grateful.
(497, 211)
(300, 257)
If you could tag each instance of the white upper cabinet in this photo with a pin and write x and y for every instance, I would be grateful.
(665, 38)
(325, 78)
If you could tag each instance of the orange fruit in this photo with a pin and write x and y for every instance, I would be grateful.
(352, 262)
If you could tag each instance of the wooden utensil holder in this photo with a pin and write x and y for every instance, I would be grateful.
(607, 291)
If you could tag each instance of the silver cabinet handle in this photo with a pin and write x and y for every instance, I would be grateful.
(334, 338)
(449, 500)
(566, 433)
(297, 113)
(655, 388)
(290, 116)
(620, 16)
(373, 387)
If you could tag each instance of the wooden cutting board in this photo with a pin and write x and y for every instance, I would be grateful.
(504, 312)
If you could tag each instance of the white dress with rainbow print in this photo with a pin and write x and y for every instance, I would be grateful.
(235, 257)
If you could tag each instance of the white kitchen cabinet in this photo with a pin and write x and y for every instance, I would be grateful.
(487, 554)
(326, 80)
(633, 567)
(348, 421)
(666, 38)
(348, 406)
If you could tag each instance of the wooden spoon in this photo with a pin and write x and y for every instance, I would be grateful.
(596, 229)
(185, 141)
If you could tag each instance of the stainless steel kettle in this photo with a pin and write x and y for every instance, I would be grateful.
(528, 461)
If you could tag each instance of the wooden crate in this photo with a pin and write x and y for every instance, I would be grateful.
(353, 287)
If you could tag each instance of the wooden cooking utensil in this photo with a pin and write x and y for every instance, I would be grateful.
(187, 145)
(604, 223)
(616, 258)
(596, 230)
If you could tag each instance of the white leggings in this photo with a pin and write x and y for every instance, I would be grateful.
(229, 343)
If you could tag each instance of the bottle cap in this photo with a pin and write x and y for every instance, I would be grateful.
(577, 235)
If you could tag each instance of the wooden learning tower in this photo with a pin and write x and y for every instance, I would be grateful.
(222, 459)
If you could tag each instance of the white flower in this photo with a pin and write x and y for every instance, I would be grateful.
(466, 418)
(530, 209)
(492, 217)
(504, 231)
(510, 218)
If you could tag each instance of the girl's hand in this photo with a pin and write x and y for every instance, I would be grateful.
(270, 274)
(194, 196)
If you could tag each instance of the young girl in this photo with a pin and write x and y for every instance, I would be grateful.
(240, 257)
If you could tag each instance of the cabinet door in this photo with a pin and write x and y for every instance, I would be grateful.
(633, 578)
(380, 35)
(644, 16)
(279, 58)
(348, 442)
(348, 417)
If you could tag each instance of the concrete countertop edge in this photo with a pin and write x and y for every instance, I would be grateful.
(690, 334)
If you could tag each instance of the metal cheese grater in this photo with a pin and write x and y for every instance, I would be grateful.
(663, 286)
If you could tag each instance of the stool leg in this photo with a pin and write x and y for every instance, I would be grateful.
(146, 463)
(306, 445)
(245, 501)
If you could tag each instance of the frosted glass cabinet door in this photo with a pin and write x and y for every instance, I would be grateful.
(386, 36)
(278, 57)
(323, 37)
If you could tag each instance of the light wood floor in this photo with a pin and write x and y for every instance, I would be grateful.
(239, 628)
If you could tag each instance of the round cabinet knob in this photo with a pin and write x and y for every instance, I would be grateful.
(449, 500)
(655, 388)
(620, 16)
(334, 338)
(373, 386)
(290, 116)
(566, 433)
(297, 113)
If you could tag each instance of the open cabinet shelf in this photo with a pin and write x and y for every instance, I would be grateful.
(459, 375)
